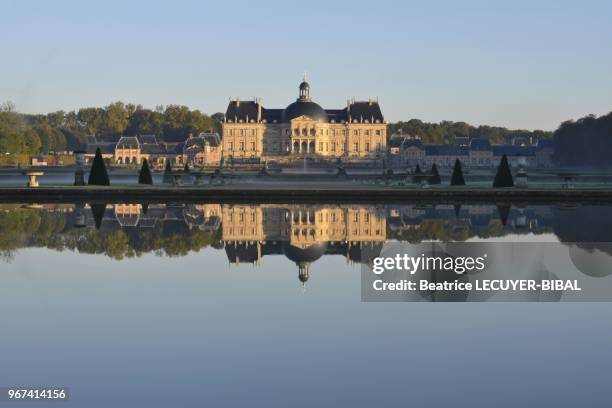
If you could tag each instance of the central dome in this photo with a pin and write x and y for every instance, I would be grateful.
(304, 108)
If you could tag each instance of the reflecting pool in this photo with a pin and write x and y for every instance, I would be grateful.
(174, 304)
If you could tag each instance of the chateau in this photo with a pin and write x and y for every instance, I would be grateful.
(252, 134)
(303, 129)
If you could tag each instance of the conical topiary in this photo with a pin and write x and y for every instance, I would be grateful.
(504, 212)
(97, 210)
(457, 178)
(98, 175)
(417, 170)
(144, 177)
(168, 173)
(186, 168)
(435, 176)
(503, 177)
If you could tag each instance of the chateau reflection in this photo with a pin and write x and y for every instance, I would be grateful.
(301, 233)
(248, 233)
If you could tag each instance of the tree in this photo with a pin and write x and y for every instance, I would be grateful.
(503, 177)
(435, 176)
(32, 142)
(168, 173)
(98, 210)
(457, 178)
(98, 175)
(144, 177)
(417, 170)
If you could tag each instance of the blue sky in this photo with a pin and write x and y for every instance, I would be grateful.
(518, 64)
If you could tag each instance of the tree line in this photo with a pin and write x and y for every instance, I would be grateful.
(585, 142)
(58, 131)
(446, 131)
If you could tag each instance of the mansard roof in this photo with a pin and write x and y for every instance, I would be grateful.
(509, 150)
(152, 149)
(128, 142)
(337, 115)
(479, 143)
(147, 139)
(368, 110)
(272, 115)
(445, 150)
(244, 111)
(199, 141)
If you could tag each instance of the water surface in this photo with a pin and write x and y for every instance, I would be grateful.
(233, 305)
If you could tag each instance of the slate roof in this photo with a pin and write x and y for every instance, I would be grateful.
(508, 150)
(480, 144)
(246, 111)
(147, 139)
(241, 110)
(211, 139)
(128, 142)
(272, 115)
(152, 149)
(337, 115)
(368, 110)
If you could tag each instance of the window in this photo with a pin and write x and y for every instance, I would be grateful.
(253, 146)
(367, 147)
(320, 146)
(378, 132)
(241, 146)
(367, 133)
(355, 147)
(230, 146)
(333, 147)
(378, 147)
(355, 132)
(241, 132)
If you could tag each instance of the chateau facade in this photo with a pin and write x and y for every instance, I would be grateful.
(357, 132)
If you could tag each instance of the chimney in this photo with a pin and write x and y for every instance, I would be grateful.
(259, 118)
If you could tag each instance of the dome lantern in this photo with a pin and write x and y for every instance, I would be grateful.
(304, 90)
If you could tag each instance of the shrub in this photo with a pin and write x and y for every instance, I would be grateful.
(144, 177)
(98, 175)
(457, 178)
(503, 177)
(435, 176)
